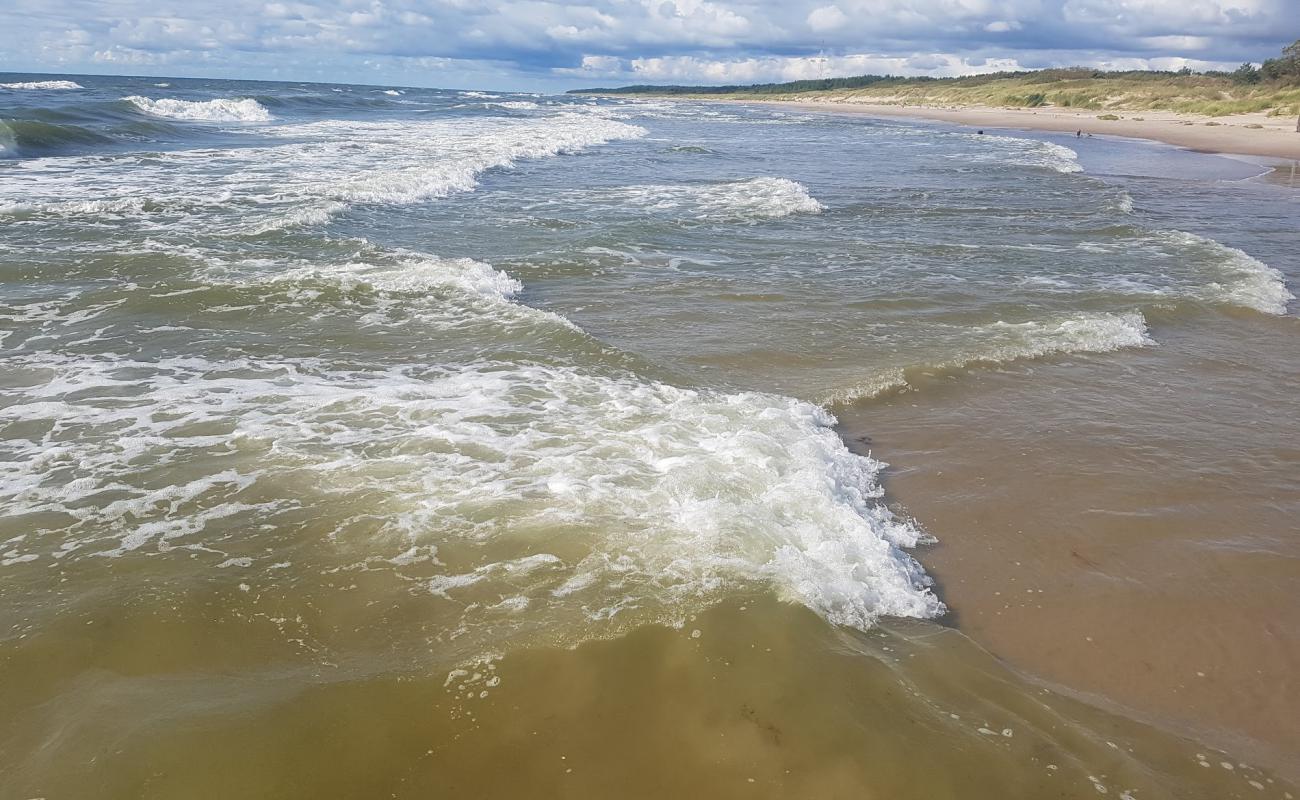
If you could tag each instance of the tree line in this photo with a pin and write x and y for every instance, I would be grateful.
(1284, 69)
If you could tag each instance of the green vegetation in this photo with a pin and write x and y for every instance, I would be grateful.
(1273, 88)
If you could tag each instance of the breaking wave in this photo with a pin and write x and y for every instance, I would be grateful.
(596, 501)
(1004, 342)
(42, 85)
(758, 198)
(1022, 152)
(1239, 279)
(220, 110)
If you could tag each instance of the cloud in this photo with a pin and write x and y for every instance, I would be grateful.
(548, 44)
(677, 69)
(826, 18)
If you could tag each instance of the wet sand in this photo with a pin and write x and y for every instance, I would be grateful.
(1122, 527)
(1244, 134)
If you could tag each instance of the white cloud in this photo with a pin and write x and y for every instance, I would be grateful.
(775, 69)
(826, 18)
(606, 65)
(547, 42)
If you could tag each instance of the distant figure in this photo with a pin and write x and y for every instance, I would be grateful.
(1078, 134)
(981, 133)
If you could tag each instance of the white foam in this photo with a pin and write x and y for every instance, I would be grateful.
(302, 174)
(661, 498)
(414, 275)
(517, 105)
(1021, 151)
(392, 93)
(42, 85)
(423, 162)
(219, 110)
(478, 149)
(1004, 342)
(1242, 280)
(1081, 333)
(758, 198)
(1059, 157)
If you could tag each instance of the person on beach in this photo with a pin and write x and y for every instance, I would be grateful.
(1078, 134)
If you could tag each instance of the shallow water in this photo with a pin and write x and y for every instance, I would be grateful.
(319, 401)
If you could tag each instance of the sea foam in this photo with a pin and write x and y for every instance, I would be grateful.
(42, 85)
(1080, 333)
(1004, 342)
(219, 110)
(320, 169)
(616, 500)
(418, 162)
(515, 105)
(660, 499)
(1242, 280)
(1021, 152)
(754, 199)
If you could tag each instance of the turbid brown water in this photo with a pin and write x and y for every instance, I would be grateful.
(1123, 527)
(750, 699)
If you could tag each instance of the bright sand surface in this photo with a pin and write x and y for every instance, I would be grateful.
(1246, 134)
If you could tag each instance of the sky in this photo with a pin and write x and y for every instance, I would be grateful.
(537, 45)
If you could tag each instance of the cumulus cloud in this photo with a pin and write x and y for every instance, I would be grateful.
(547, 44)
(826, 18)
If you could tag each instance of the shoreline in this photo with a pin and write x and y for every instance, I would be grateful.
(1102, 594)
(1275, 137)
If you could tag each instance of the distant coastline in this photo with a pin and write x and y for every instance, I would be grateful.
(1254, 134)
(1243, 134)
(1252, 111)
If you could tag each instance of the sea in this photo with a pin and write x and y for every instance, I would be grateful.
(374, 441)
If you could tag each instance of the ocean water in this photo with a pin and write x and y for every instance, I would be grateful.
(314, 389)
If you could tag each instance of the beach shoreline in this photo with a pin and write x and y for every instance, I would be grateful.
(1121, 591)
(1274, 138)
(649, 450)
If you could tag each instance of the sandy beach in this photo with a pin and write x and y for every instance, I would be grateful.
(1243, 134)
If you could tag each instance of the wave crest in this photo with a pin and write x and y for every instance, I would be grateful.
(1003, 342)
(42, 85)
(659, 499)
(1022, 152)
(1245, 281)
(220, 110)
(757, 198)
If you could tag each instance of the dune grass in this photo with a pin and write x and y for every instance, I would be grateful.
(1210, 95)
